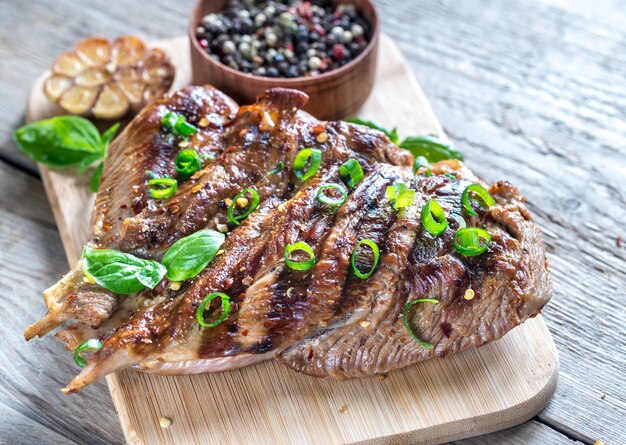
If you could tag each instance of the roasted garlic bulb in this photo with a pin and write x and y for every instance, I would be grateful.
(106, 80)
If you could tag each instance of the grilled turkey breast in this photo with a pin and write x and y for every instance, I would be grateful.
(324, 321)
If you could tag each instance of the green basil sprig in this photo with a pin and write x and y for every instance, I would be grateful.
(124, 273)
(121, 272)
(432, 147)
(65, 141)
(188, 256)
(392, 135)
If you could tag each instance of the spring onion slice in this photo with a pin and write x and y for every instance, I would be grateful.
(329, 200)
(449, 176)
(372, 245)
(161, 188)
(253, 203)
(420, 162)
(467, 241)
(434, 218)
(482, 194)
(279, 168)
(187, 162)
(177, 124)
(299, 265)
(225, 309)
(405, 317)
(91, 345)
(400, 195)
(351, 173)
(311, 155)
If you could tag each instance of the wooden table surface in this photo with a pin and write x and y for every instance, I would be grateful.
(531, 91)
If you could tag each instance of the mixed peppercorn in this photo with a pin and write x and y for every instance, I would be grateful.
(284, 38)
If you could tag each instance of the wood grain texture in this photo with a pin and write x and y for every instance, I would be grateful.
(531, 90)
(535, 94)
(478, 391)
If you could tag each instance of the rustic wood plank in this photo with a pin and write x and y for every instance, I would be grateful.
(531, 432)
(526, 88)
(533, 92)
(31, 374)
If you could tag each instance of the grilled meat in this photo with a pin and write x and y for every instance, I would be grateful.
(324, 321)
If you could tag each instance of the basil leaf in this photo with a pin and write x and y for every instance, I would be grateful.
(432, 147)
(94, 183)
(60, 141)
(392, 135)
(108, 136)
(121, 272)
(188, 256)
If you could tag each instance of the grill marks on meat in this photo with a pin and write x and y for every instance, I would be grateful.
(511, 284)
(324, 321)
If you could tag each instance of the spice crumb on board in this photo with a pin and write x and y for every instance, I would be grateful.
(165, 422)
(382, 377)
(618, 241)
(343, 409)
(599, 442)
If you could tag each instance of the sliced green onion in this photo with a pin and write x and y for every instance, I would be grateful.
(482, 194)
(372, 245)
(91, 345)
(253, 203)
(279, 168)
(449, 175)
(351, 173)
(225, 309)
(434, 218)
(420, 162)
(299, 265)
(400, 195)
(187, 162)
(405, 317)
(177, 124)
(311, 155)
(467, 241)
(329, 200)
(161, 188)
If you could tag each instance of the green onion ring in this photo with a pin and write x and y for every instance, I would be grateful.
(161, 188)
(93, 344)
(177, 124)
(252, 205)
(299, 163)
(450, 176)
(225, 309)
(328, 200)
(420, 162)
(467, 241)
(434, 218)
(187, 162)
(372, 245)
(405, 317)
(299, 265)
(483, 195)
(351, 173)
(400, 195)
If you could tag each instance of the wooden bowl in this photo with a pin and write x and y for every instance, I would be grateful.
(333, 95)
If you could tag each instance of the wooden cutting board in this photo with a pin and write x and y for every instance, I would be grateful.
(471, 393)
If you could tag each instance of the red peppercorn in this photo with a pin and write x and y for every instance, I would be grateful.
(339, 51)
(204, 43)
(361, 40)
(319, 29)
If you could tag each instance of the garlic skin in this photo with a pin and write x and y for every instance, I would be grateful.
(107, 80)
